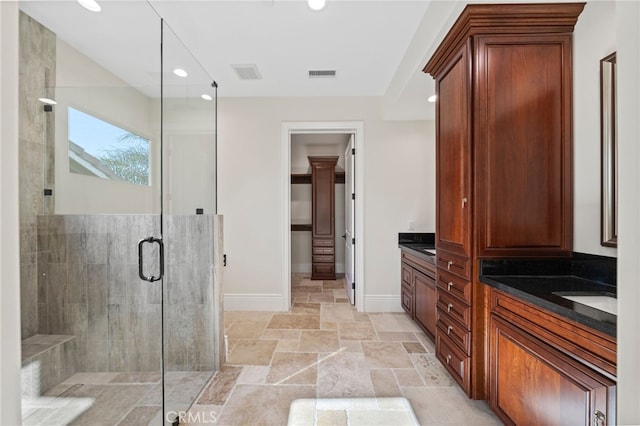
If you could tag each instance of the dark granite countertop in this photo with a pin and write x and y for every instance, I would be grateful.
(542, 282)
(418, 244)
(419, 251)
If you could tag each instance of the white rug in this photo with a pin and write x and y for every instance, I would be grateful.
(352, 412)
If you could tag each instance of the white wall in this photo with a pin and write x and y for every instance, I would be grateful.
(628, 57)
(9, 223)
(86, 86)
(594, 38)
(398, 187)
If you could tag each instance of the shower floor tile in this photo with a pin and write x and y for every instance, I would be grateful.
(128, 398)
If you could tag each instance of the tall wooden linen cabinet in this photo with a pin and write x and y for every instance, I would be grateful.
(323, 254)
(503, 160)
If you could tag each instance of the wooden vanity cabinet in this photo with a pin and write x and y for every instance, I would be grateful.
(323, 259)
(544, 369)
(418, 292)
(503, 78)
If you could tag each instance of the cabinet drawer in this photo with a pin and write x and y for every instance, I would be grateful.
(454, 307)
(455, 331)
(419, 264)
(317, 242)
(454, 360)
(407, 277)
(323, 269)
(407, 301)
(454, 264)
(323, 259)
(323, 250)
(455, 286)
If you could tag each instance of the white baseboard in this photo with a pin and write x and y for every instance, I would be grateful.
(382, 303)
(253, 302)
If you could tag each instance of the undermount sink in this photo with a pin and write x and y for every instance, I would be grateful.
(603, 303)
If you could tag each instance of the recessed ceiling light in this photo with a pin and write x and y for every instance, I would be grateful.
(47, 101)
(206, 97)
(316, 4)
(180, 72)
(432, 98)
(91, 5)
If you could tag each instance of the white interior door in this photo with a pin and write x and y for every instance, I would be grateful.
(349, 220)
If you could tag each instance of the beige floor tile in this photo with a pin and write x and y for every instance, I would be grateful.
(293, 368)
(384, 382)
(431, 370)
(341, 300)
(341, 294)
(397, 336)
(408, 377)
(281, 334)
(319, 341)
(252, 352)
(306, 308)
(356, 331)
(344, 374)
(244, 329)
(321, 297)
(287, 346)
(262, 404)
(428, 344)
(414, 347)
(140, 416)
(296, 322)
(220, 386)
(253, 375)
(393, 322)
(337, 313)
(300, 298)
(202, 415)
(350, 346)
(337, 284)
(328, 325)
(361, 317)
(386, 355)
(447, 406)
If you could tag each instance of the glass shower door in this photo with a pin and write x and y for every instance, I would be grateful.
(192, 314)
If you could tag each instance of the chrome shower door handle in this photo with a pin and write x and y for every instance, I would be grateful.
(150, 240)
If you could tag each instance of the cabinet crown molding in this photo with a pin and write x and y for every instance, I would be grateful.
(477, 19)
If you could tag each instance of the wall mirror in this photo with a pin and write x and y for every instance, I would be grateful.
(609, 147)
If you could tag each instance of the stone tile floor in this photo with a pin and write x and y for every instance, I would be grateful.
(324, 348)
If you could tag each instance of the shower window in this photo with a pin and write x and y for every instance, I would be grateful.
(101, 149)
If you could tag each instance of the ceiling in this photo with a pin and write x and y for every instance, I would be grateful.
(377, 48)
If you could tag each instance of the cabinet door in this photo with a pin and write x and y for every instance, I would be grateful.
(425, 301)
(453, 149)
(532, 383)
(523, 145)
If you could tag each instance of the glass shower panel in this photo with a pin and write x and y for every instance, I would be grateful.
(192, 319)
(90, 173)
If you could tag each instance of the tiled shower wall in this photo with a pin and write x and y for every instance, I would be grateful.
(92, 290)
(36, 158)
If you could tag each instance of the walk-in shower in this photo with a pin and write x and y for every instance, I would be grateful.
(121, 313)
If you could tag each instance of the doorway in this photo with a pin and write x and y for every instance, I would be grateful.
(345, 140)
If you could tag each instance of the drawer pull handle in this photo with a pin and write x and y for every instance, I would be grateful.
(449, 307)
(449, 285)
(464, 201)
(449, 329)
(449, 265)
(448, 359)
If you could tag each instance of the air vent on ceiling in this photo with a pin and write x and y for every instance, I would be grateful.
(322, 73)
(247, 72)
